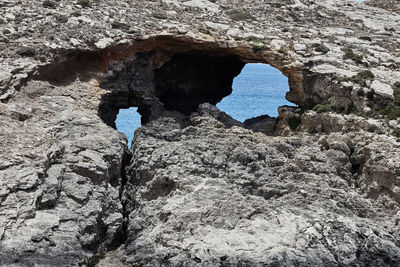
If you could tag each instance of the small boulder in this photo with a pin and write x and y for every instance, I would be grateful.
(263, 124)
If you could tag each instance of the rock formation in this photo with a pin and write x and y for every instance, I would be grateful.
(392, 5)
(317, 186)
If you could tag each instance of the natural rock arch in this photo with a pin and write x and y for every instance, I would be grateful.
(66, 192)
(187, 71)
(136, 75)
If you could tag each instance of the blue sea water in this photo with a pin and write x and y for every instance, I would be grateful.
(128, 120)
(259, 90)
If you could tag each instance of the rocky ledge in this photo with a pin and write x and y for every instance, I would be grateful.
(319, 185)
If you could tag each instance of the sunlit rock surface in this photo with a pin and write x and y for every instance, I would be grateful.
(197, 188)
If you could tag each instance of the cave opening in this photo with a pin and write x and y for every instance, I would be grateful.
(196, 77)
(176, 84)
(257, 91)
(127, 121)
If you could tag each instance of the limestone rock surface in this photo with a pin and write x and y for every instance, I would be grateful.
(197, 188)
(207, 195)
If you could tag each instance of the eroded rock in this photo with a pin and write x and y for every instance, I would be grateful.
(226, 197)
(198, 188)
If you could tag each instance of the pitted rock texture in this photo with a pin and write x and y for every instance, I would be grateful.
(321, 191)
(207, 195)
(319, 45)
(60, 176)
(392, 5)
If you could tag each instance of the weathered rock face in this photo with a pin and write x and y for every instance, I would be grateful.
(195, 198)
(392, 5)
(197, 188)
(60, 179)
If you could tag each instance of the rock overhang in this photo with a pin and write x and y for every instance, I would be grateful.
(295, 54)
(153, 58)
(112, 69)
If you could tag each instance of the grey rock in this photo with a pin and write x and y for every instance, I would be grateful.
(263, 124)
(196, 188)
(207, 109)
(217, 196)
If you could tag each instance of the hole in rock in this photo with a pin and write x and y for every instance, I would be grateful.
(178, 85)
(196, 77)
(258, 90)
(128, 120)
